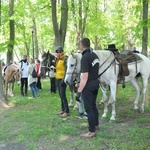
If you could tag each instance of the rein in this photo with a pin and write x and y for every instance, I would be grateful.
(107, 66)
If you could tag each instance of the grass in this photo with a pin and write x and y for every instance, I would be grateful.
(35, 123)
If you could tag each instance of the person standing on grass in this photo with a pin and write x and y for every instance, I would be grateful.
(32, 81)
(23, 65)
(60, 73)
(89, 86)
(38, 70)
(52, 76)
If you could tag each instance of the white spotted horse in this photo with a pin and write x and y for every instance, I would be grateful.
(109, 74)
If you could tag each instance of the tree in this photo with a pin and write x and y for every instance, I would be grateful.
(12, 32)
(59, 28)
(79, 15)
(3, 99)
(145, 27)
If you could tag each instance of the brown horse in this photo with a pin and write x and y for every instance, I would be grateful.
(11, 75)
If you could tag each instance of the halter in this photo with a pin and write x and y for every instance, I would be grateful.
(74, 71)
(48, 62)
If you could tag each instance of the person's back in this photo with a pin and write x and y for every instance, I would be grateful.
(23, 65)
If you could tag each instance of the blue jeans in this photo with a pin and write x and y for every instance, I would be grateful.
(34, 89)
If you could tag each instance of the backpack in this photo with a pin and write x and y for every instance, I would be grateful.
(34, 74)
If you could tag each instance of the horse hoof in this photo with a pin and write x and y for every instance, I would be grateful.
(141, 110)
(103, 118)
(100, 103)
(135, 107)
(111, 121)
(70, 105)
(75, 108)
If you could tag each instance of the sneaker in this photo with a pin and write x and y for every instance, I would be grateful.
(30, 97)
(82, 116)
(38, 96)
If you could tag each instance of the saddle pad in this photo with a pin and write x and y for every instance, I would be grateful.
(136, 57)
(129, 56)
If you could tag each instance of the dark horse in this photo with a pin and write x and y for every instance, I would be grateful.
(48, 60)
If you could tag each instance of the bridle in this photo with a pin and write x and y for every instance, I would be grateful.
(74, 73)
(46, 62)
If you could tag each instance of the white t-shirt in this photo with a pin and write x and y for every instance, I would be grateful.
(24, 69)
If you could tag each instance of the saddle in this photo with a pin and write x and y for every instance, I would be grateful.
(124, 58)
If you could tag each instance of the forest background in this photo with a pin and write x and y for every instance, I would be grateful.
(33, 26)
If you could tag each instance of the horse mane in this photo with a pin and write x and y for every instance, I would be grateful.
(104, 55)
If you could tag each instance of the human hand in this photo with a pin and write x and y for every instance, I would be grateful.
(78, 96)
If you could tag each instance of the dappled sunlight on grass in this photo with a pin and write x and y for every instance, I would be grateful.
(84, 124)
(63, 137)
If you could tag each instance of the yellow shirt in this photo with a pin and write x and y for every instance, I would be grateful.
(60, 67)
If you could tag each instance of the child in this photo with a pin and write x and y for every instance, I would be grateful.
(52, 79)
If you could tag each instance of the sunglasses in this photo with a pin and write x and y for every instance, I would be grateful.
(59, 52)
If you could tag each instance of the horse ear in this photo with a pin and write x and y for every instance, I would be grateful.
(48, 52)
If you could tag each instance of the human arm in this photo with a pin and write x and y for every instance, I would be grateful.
(83, 81)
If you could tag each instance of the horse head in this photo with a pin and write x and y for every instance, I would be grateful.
(73, 68)
(17, 76)
(47, 60)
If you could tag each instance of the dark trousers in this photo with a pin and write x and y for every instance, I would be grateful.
(89, 95)
(62, 93)
(53, 85)
(38, 84)
(24, 86)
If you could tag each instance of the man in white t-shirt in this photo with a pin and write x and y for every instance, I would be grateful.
(23, 64)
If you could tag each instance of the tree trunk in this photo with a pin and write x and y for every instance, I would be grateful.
(35, 40)
(60, 30)
(3, 99)
(145, 29)
(0, 12)
(80, 23)
(12, 32)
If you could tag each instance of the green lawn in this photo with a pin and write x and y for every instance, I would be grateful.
(36, 125)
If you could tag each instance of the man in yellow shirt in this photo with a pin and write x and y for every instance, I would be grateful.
(60, 73)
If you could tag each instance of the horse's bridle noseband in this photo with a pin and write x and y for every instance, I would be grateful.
(77, 75)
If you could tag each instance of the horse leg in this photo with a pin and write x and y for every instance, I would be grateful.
(6, 88)
(112, 100)
(104, 100)
(71, 99)
(9, 91)
(145, 82)
(104, 94)
(135, 85)
(12, 89)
